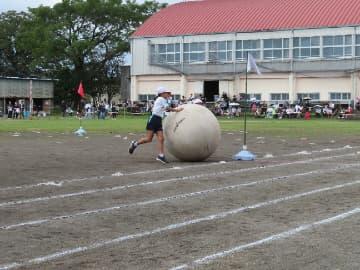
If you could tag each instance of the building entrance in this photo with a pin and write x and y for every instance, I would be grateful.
(211, 90)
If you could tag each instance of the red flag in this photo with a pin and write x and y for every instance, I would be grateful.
(81, 90)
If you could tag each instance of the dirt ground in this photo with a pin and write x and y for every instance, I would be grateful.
(70, 202)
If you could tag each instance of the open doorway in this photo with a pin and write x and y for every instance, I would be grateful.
(211, 89)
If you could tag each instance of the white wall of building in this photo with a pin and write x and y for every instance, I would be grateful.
(226, 87)
(147, 84)
(195, 88)
(324, 86)
(146, 77)
(265, 85)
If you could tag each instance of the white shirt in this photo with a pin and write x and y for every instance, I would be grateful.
(160, 106)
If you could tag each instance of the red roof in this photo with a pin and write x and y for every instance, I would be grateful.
(224, 16)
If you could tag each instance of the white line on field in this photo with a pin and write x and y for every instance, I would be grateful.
(175, 179)
(174, 197)
(60, 183)
(286, 234)
(170, 227)
(319, 151)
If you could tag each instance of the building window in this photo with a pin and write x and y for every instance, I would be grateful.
(252, 97)
(170, 53)
(153, 56)
(245, 46)
(146, 97)
(276, 48)
(194, 52)
(340, 96)
(306, 47)
(165, 53)
(357, 45)
(312, 96)
(220, 51)
(337, 46)
(279, 97)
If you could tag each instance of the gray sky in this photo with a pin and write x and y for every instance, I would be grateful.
(22, 5)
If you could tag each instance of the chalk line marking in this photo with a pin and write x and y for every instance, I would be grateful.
(320, 151)
(283, 235)
(60, 183)
(221, 215)
(174, 197)
(175, 179)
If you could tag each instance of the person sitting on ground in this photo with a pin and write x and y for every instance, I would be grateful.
(347, 114)
(280, 112)
(69, 111)
(253, 107)
(269, 112)
(289, 112)
(349, 110)
(259, 113)
(298, 110)
(318, 111)
(327, 111)
(190, 98)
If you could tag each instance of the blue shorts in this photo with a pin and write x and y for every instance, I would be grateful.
(154, 124)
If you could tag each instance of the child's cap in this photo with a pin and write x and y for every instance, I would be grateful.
(162, 89)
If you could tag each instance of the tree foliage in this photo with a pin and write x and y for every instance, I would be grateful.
(15, 60)
(76, 40)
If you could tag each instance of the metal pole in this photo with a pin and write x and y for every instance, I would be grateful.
(246, 100)
(30, 99)
(244, 154)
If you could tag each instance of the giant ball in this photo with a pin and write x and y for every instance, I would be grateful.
(192, 134)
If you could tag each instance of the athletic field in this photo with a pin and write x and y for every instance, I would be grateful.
(69, 202)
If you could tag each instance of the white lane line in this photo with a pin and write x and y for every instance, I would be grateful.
(175, 179)
(221, 215)
(286, 234)
(60, 183)
(174, 197)
(320, 151)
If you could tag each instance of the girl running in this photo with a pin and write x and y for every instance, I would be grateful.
(154, 125)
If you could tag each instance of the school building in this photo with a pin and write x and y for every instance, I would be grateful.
(307, 48)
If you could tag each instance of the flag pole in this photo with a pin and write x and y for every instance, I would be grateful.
(81, 92)
(245, 154)
(246, 100)
(31, 99)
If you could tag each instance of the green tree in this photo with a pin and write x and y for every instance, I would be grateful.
(15, 60)
(83, 40)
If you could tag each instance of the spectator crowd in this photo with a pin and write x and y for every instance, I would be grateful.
(222, 106)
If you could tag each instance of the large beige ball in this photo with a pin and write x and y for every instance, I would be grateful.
(192, 134)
